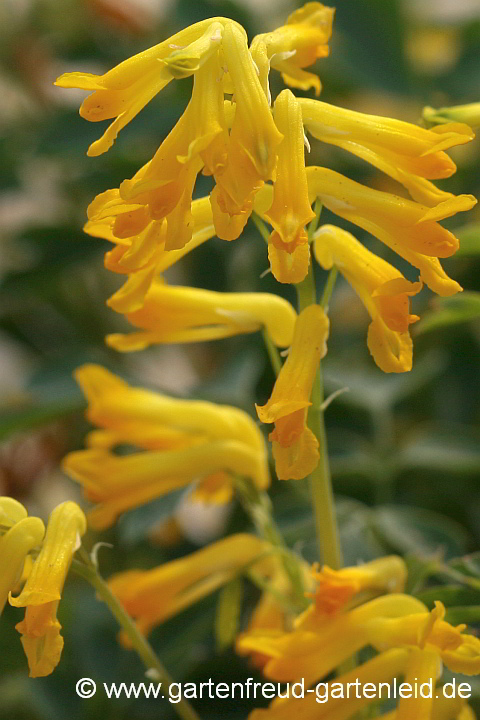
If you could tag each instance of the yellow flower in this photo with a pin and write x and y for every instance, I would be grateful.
(337, 700)
(141, 255)
(469, 114)
(198, 139)
(152, 596)
(408, 228)
(320, 642)
(335, 588)
(408, 153)
(21, 535)
(123, 91)
(383, 290)
(40, 629)
(295, 447)
(182, 314)
(297, 44)
(288, 244)
(253, 140)
(185, 440)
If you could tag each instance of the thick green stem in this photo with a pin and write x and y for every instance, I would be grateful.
(142, 647)
(320, 479)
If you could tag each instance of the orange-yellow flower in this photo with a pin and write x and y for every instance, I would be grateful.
(184, 315)
(408, 153)
(152, 596)
(40, 629)
(382, 289)
(296, 45)
(179, 442)
(123, 91)
(408, 228)
(288, 249)
(295, 447)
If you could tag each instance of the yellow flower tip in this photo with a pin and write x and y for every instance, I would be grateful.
(391, 350)
(23, 536)
(11, 511)
(41, 639)
(392, 301)
(184, 62)
(333, 592)
(288, 266)
(66, 525)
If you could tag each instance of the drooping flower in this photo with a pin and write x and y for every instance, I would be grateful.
(408, 228)
(19, 534)
(152, 596)
(296, 45)
(179, 442)
(288, 248)
(336, 588)
(184, 315)
(253, 141)
(320, 642)
(40, 596)
(408, 153)
(382, 289)
(123, 91)
(295, 447)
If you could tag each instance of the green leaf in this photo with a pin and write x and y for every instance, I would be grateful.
(443, 449)
(450, 595)
(33, 416)
(227, 618)
(466, 614)
(469, 236)
(450, 311)
(418, 531)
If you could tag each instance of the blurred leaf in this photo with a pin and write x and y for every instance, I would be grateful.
(450, 595)
(466, 614)
(134, 525)
(450, 311)
(227, 618)
(469, 236)
(373, 390)
(22, 419)
(418, 531)
(443, 450)
(469, 565)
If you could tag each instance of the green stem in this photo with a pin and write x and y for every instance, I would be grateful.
(273, 353)
(87, 570)
(258, 507)
(320, 479)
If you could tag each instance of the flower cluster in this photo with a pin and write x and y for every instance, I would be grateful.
(40, 580)
(146, 444)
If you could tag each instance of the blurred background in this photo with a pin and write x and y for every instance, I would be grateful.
(405, 449)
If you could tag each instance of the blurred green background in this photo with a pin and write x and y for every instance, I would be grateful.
(405, 449)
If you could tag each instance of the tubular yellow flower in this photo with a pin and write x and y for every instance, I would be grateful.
(383, 290)
(408, 153)
(23, 535)
(182, 314)
(342, 702)
(320, 642)
(142, 256)
(40, 629)
(408, 228)
(186, 441)
(469, 114)
(288, 244)
(335, 588)
(252, 144)
(297, 44)
(199, 138)
(295, 447)
(152, 596)
(123, 91)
